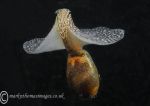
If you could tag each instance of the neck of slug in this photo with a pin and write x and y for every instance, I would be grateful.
(65, 28)
(72, 44)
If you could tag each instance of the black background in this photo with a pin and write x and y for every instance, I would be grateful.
(125, 78)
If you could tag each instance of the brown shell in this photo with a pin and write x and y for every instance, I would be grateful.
(82, 74)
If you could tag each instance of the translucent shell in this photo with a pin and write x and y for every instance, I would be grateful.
(82, 74)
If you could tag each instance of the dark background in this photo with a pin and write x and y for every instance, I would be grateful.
(125, 78)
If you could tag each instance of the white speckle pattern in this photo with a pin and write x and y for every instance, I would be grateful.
(101, 35)
(63, 24)
(31, 45)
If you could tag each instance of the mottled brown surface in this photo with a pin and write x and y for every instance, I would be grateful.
(81, 71)
(82, 74)
(124, 66)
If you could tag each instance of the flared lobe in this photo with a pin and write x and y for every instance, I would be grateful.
(65, 34)
(51, 42)
(98, 35)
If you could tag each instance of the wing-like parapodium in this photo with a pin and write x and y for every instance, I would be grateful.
(31, 45)
(100, 35)
(51, 42)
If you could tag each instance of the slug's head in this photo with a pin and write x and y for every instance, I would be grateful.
(63, 16)
(63, 19)
(64, 27)
(62, 11)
